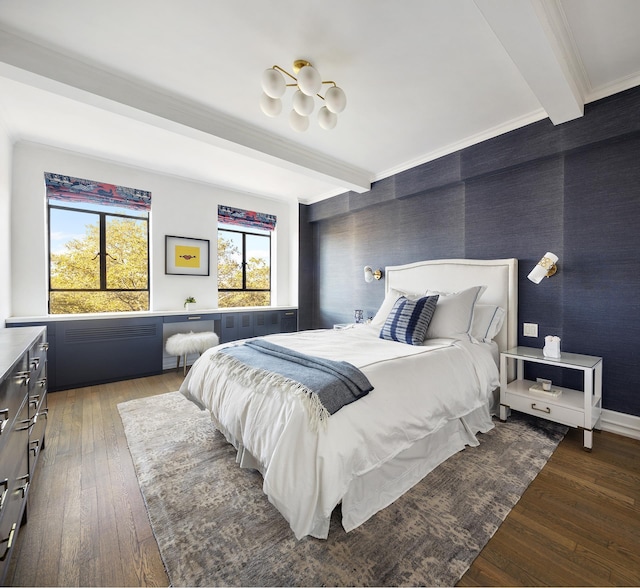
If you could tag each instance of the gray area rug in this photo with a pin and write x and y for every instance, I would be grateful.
(214, 526)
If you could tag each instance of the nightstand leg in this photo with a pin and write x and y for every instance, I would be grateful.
(504, 412)
(588, 440)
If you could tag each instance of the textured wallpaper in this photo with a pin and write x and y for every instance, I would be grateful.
(572, 189)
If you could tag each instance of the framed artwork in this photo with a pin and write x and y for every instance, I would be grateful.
(184, 256)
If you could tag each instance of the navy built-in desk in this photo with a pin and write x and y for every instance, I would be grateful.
(90, 349)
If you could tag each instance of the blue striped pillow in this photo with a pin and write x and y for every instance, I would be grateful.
(409, 320)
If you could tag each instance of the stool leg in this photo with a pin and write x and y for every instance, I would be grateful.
(178, 364)
(185, 365)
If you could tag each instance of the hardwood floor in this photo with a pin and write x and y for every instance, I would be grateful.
(578, 523)
(87, 522)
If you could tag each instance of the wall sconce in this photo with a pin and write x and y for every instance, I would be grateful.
(370, 274)
(545, 267)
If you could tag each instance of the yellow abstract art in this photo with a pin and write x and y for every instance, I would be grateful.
(187, 256)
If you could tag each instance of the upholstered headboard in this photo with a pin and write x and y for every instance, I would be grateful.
(500, 276)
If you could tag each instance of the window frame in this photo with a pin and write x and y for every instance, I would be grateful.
(102, 242)
(244, 231)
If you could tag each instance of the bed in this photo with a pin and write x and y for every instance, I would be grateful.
(428, 401)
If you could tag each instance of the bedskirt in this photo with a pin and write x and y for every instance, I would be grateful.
(375, 490)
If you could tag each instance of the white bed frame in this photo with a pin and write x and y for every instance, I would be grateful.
(500, 276)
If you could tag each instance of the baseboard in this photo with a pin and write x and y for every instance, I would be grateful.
(620, 423)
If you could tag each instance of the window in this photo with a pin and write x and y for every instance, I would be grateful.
(244, 257)
(98, 246)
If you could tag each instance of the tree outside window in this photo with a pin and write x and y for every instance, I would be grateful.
(98, 251)
(244, 267)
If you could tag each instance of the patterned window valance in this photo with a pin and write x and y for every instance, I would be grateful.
(246, 218)
(69, 189)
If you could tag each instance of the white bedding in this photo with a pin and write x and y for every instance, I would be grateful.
(418, 391)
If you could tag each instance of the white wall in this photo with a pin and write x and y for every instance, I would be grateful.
(5, 224)
(178, 207)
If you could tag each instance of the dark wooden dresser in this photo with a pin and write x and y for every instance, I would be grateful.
(23, 418)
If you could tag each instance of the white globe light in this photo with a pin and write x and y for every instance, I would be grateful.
(298, 123)
(273, 83)
(270, 106)
(335, 99)
(327, 119)
(309, 80)
(302, 103)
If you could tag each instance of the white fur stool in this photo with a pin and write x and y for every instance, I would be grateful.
(181, 344)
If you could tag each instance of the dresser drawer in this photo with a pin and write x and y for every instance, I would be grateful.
(13, 391)
(38, 359)
(23, 406)
(14, 483)
(13, 462)
(38, 423)
(541, 407)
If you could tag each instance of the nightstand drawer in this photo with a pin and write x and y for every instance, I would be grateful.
(542, 407)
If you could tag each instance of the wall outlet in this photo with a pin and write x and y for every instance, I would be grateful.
(530, 329)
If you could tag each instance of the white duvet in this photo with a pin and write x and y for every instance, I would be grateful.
(417, 391)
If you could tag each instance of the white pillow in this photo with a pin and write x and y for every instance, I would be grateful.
(387, 304)
(453, 317)
(487, 322)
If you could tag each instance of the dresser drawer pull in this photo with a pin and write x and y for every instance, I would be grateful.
(25, 377)
(25, 486)
(8, 541)
(545, 409)
(35, 363)
(44, 346)
(28, 423)
(42, 382)
(5, 484)
(4, 414)
(194, 318)
(34, 446)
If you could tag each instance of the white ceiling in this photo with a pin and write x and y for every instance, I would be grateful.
(173, 85)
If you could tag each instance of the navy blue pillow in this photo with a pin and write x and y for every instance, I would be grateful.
(409, 320)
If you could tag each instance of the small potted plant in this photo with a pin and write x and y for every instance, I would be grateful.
(189, 302)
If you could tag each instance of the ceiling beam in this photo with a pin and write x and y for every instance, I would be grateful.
(35, 65)
(527, 33)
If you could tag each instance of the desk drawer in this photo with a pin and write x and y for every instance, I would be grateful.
(193, 317)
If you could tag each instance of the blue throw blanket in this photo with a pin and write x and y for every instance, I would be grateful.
(332, 384)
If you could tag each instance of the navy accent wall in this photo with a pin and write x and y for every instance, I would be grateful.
(573, 189)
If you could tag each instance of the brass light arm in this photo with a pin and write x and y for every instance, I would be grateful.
(284, 71)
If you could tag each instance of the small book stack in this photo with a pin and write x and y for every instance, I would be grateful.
(538, 389)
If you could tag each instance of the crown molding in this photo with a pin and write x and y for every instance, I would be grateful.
(491, 133)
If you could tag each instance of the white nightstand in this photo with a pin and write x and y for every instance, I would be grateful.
(572, 407)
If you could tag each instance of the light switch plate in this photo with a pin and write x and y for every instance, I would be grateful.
(530, 330)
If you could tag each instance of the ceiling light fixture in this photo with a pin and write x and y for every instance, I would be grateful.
(308, 84)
